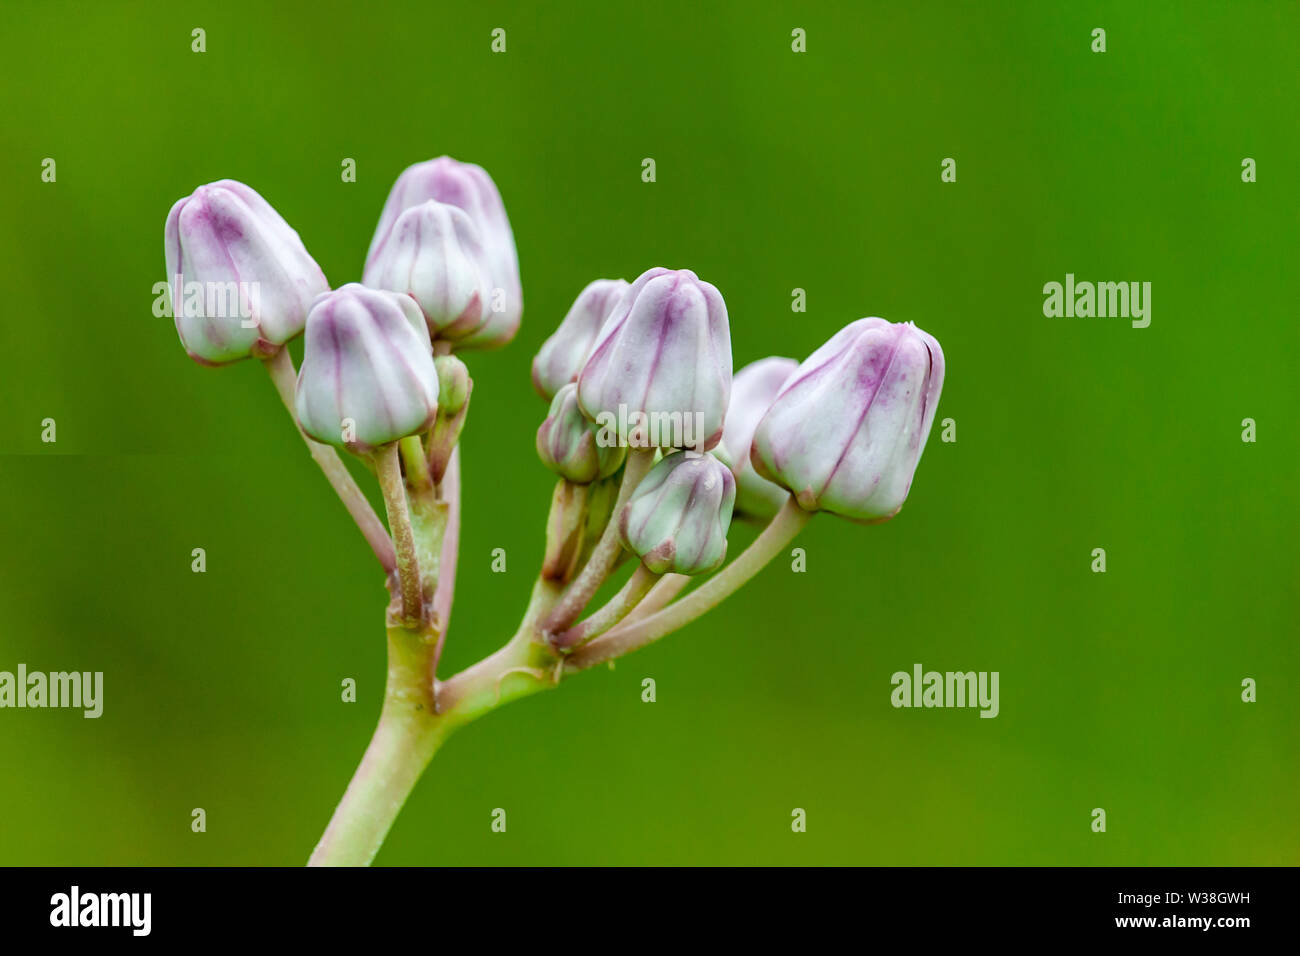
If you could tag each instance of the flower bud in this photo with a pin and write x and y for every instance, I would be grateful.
(433, 254)
(567, 442)
(659, 374)
(367, 374)
(752, 392)
(562, 356)
(846, 431)
(241, 280)
(471, 189)
(454, 386)
(677, 519)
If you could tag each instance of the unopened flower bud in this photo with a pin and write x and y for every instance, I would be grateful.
(454, 386)
(241, 280)
(367, 374)
(471, 189)
(752, 392)
(434, 254)
(677, 519)
(562, 356)
(659, 374)
(567, 442)
(846, 431)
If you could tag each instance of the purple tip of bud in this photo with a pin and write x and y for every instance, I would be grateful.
(664, 354)
(434, 254)
(847, 429)
(562, 356)
(472, 190)
(240, 277)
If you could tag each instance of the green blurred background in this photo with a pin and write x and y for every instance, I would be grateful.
(776, 170)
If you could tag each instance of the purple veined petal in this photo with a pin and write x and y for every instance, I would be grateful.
(563, 355)
(471, 189)
(663, 358)
(678, 517)
(570, 445)
(434, 254)
(846, 431)
(241, 279)
(368, 375)
(753, 390)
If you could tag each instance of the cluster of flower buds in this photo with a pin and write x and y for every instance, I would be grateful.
(644, 367)
(654, 444)
(443, 254)
(843, 431)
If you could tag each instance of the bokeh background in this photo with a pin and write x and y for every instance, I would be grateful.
(776, 171)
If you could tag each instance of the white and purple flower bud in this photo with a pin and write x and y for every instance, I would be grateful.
(240, 279)
(566, 442)
(659, 374)
(562, 356)
(752, 392)
(847, 429)
(470, 188)
(433, 253)
(677, 519)
(367, 376)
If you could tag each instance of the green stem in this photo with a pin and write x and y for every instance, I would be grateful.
(433, 521)
(417, 467)
(399, 522)
(448, 506)
(283, 376)
(605, 555)
(565, 523)
(669, 586)
(618, 607)
(788, 522)
(418, 716)
(407, 737)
